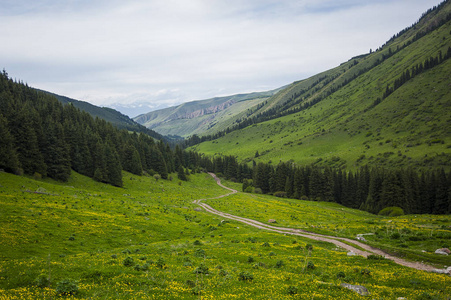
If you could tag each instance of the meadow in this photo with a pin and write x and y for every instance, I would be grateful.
(148, 240)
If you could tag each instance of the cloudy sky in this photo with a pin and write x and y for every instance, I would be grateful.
(172, 51)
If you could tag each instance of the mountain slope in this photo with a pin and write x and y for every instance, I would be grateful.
(203, 116)
(365, 111)
(119, 120)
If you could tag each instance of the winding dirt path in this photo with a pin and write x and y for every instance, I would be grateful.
(338, 241)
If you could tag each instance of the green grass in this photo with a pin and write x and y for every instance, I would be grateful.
(83, 231)
(408, 128)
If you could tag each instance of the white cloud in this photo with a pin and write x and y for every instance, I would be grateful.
(173, 50)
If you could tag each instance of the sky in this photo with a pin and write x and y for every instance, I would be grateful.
(161, 53)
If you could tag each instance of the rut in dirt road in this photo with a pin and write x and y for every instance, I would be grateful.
(338, 241)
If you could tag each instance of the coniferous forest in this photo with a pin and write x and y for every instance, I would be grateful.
(42, 137)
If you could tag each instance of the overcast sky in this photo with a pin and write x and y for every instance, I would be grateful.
(172, 51)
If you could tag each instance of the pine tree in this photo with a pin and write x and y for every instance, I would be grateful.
(8, 155)
(181, 173)
(113, 166)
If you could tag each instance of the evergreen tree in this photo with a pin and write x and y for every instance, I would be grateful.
(8, 155)
(113, 166)
(181, 173)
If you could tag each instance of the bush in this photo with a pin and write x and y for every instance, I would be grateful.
(250, 259)
(375, 257)
(341, 274)
(395, 235)
(279, 264)
(42, 281)
(310, 265)
(128, 262)
(249, 189)
(66, 287)
(392, 211)
(199, 252)
(201, 269)
(280, 194)
(160, 263)
(309, 247)
(245, 276)
(292, 290)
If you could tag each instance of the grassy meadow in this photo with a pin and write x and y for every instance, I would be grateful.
(147, 241)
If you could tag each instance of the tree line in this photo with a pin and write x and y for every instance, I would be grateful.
(369, 189)
(40, 136)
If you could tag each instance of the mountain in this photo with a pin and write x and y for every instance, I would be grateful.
(390, 107)
(116, 118)
(203, 116)
(137, 108)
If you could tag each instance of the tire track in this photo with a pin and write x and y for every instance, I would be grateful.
(338, 241)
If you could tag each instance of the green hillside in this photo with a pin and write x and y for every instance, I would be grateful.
(110, 115)
(202, 117)
(149, 240)
(391, 107)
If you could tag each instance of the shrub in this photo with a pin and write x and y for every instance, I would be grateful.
(310, 265)
(375, 257)
(392, 211)
(197, 243)
(266, 244)
(249, 189)
(201, 269)
(309, 247)
(42, 281)
(341, 274)
(245, 276)
(114, 256)
(160, 263)
(395, 235)
(292, 290)
(279, 264)
(250, 259)
(66, 287)
(199, 252)
(258, 191)
(128, 262)
(280, 194)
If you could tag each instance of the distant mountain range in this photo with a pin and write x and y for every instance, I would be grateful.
(203, 116)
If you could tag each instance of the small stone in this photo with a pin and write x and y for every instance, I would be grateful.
(198, 209)
(359, 289)
(361, 238)
(441, 252)
(350, 253)
(272, 221)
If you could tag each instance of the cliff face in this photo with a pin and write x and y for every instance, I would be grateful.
(204, 111)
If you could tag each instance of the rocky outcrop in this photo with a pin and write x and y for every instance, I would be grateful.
(359, 289)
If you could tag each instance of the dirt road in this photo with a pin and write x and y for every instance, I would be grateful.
(338, 241)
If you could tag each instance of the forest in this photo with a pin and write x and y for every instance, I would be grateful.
(41, 137)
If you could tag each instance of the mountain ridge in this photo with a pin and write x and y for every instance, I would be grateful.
(174, 120)
(350, 115)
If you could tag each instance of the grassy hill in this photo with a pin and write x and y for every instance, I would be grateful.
(365, 111)
(202, 117)
(147, 240)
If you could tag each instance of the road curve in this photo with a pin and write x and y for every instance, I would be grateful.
(338, 241)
